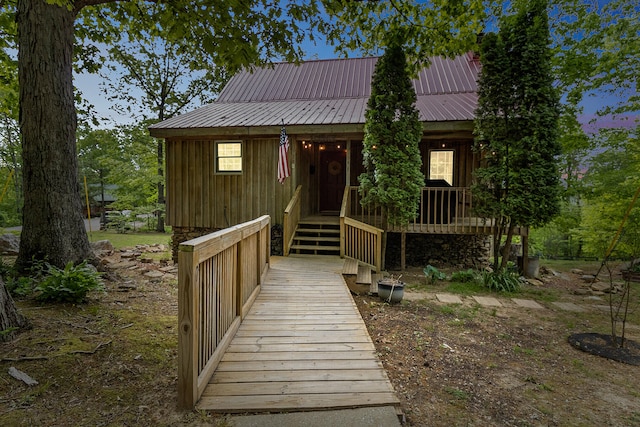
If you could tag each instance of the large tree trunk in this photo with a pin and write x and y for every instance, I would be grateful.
(53, 227)
(10, 318)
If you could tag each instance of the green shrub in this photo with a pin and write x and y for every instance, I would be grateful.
(433, 274)
(70, 284)
(464, 276)
(501, 281)
(20, 286)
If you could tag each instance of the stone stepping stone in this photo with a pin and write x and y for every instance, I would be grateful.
(526, 303)
(568, 306)
(487, 301)
(449, 298)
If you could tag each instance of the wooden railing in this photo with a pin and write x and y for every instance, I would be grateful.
(291, 219)
(219, 277)
(359, 240)
(441, 211)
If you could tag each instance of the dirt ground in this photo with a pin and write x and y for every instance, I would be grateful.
(112, 361)
(469, 365)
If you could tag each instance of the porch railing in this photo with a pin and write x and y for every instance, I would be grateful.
(359, 240)
(219, 277)
(446, 210)
(291, 220)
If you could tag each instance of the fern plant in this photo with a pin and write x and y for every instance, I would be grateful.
(71, 284)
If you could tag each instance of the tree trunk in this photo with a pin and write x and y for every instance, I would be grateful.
(506, 250)
(10, 318)
(53, 227)
(161, 201)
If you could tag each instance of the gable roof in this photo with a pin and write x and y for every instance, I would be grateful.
(327, 92)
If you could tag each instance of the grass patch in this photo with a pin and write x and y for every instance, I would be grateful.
(457, 393)
(124, 240)
(466, 288)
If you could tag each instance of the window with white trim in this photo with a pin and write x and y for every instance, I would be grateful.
(441, 165)
(229, 157)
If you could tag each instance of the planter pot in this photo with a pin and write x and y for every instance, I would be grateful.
(390, 291)
(533, 267)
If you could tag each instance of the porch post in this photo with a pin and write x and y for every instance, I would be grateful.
(403, 250)
(348, 165)
(525, 253)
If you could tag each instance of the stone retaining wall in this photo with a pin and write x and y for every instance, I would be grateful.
(441, 250)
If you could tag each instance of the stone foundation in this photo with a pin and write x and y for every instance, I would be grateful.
(439, 250)
(182, 234)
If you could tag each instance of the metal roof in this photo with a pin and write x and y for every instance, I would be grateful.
(326, 92)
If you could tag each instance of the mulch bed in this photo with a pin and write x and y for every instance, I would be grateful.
(603, 345)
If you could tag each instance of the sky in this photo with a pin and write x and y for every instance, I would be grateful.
(90, 86)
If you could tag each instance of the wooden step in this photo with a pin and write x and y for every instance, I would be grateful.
(364, 275)
(330, 223)
(373, 290)
(316, 238)
(315, 248)
(350, 266)
(319, 230)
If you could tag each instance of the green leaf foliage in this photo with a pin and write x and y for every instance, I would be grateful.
(611, 182)
(516, 124)
(598, 47)
(70, 284)
(501, 281)
(392, 177)
(428, 28)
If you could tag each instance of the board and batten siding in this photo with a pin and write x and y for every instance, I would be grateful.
(198, 197)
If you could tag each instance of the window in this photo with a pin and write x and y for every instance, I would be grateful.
(228, 157)
(441, 165)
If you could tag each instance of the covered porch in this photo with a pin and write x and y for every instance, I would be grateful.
(441, 211)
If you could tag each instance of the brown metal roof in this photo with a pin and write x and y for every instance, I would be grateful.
(326, 92)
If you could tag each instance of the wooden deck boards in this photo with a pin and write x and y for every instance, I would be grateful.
(302, 346)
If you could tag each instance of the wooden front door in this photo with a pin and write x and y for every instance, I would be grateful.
(332, 177)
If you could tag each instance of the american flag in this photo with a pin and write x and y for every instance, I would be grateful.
(283, 156)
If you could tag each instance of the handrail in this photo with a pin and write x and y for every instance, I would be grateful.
(291, 219)
(359, 240)
(442, 210)
(344, 208)
(363, 242)
(219, 277)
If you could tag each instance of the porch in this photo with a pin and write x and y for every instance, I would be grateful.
(441, 210)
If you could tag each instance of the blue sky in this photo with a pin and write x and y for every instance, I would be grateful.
(89, 85)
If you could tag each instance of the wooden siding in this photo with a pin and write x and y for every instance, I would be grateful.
(198, 197)
(465, 161)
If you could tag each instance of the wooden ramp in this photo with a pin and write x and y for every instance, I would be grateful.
(303, 346)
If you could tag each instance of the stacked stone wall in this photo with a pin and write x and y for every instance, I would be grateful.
(182, 234)
(439, 250)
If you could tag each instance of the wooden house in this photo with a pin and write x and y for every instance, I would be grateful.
(222, 161)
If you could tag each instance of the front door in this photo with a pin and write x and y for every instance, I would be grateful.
(332, 177)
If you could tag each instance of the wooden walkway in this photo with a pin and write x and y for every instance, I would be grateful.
(302, 346)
